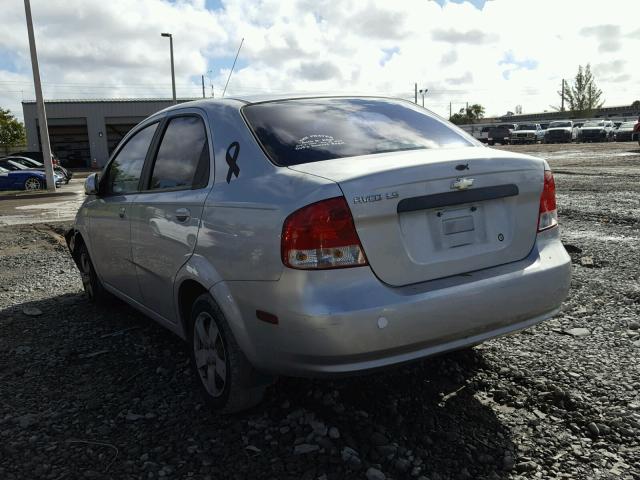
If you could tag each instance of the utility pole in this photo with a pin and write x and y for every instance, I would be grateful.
(42, 114)
(210, 82)
(173, 75)
(416, 93)
(562, 99)
(450, 113)
(203, 86)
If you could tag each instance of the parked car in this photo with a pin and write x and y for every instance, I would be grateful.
(624, 132)
(501, 134)
(10, 164)
(526, 133)
(597, 131)
(22, 180)
(561, 131)
(636, 132)
(327, 235)
(31, 163)
(484, 134)
(37, 156)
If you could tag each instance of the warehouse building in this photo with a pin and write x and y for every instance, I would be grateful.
(85, 132)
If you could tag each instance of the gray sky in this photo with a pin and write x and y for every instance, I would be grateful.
(499, 53)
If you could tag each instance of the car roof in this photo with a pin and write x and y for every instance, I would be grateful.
(241, 100)
(13, 157)
(260, 98)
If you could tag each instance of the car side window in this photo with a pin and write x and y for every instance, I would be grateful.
(125, 169)
(182, 160)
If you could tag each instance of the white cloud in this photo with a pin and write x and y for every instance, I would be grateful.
(92, 48)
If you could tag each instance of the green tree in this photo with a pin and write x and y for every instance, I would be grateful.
(470, 114)
(11, 129)
(583, 96)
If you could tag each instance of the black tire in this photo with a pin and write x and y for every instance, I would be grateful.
(92, 285)
(242, 386)
(491, 143)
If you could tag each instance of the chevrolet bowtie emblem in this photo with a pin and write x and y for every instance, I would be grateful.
(462, 184)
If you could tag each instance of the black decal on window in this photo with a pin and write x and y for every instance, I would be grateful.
(232, 160)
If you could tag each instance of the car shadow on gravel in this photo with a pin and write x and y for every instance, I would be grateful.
(105, 390)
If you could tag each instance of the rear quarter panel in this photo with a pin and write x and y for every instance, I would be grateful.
(242, 218)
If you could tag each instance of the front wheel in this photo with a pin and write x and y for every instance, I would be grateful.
(33, 183)
(227, 380)
(92, 285)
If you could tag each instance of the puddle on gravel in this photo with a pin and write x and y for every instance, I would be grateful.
(593, 235)
(581, 154)
(44, 212)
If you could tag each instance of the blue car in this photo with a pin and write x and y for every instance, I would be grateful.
(23, 180)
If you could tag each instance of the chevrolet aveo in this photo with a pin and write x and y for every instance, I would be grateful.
(318, 236)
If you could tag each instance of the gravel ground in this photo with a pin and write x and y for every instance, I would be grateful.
(106, 393)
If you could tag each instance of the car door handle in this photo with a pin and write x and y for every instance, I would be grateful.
(183, 214)
(122, 212)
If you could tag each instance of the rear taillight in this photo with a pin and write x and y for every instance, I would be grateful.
(322, 235)
(548, 216)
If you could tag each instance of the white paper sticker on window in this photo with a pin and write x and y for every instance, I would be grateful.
(317, 141)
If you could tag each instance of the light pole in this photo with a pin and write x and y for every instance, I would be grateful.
(423, 92)
(210, 81)
(173, 75)
(42, 114)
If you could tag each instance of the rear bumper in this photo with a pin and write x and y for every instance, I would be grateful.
(346, 321)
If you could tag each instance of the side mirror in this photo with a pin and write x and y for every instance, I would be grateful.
(91, 184)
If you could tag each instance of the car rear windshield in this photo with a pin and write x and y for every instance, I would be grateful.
(559, 124)
(310, 130)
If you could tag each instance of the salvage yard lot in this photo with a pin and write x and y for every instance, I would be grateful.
(93, 392)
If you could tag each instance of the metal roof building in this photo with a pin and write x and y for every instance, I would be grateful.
(85, 132)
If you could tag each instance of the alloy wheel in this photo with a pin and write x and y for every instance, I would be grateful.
(210, 355)
(85, 273)
(32, 184)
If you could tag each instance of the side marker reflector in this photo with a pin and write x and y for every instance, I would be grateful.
(267, 317)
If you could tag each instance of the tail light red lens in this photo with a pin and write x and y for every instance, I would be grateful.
(322, 235)
(548, 213)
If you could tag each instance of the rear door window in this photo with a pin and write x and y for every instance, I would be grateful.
(182, 160)
(299, 131)
(123, 175)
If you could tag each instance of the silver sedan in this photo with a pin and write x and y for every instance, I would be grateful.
(318, 236)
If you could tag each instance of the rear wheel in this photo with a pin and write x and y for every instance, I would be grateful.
(33, 183)
(227, 380)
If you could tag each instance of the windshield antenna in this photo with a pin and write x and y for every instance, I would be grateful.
(232, 67)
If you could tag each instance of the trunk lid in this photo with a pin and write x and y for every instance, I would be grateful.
(420, 218)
